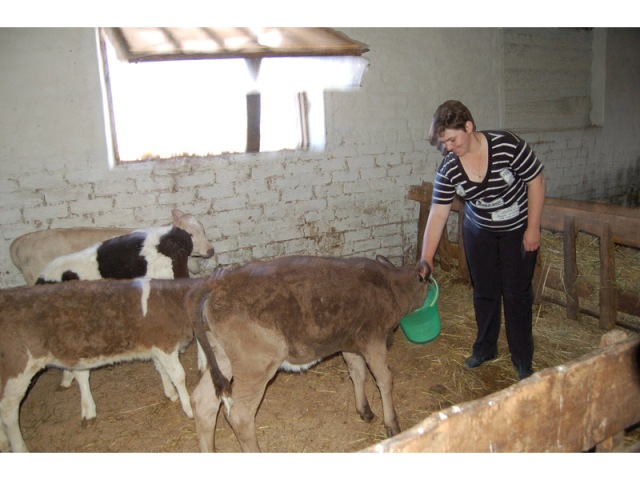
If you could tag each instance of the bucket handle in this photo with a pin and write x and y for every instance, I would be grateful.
(434, 284)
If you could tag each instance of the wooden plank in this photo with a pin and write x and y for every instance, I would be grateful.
(253, 122)
(144, 44)
(538, 281)
(608, 303)
(568, 408)
(625, 230)
(627, 301)
(446, 250)
(422, 194)
(422, 222)
(570, 268)
(624, 221)
(589, 206)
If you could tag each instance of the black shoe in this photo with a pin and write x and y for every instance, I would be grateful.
(524, 372)
(476, 359)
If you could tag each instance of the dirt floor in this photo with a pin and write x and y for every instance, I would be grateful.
(308, 412)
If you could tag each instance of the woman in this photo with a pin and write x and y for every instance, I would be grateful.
(499, 178)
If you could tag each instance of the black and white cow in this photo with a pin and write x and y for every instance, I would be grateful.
(33, 251)
(161, 252)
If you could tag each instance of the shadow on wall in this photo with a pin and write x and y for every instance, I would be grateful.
(632, 197)
(629, 180)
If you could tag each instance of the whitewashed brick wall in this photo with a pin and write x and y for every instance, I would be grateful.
(348, 200)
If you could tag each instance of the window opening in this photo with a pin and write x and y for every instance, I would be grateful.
(168, 97)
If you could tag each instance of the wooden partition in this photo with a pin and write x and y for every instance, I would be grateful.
(579, 406)
(612, 225)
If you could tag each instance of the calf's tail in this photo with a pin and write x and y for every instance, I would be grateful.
(221, 383)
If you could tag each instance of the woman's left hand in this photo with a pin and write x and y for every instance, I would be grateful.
(531, 239)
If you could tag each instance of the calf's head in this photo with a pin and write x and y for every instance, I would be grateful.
(188, 223)
(412, 282)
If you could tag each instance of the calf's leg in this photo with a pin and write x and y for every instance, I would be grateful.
(205, 404)
(12, 394)
(246, 397)
(67, 379)
(249, 384)
(204, 401)
(375, 355)
(4, 440)
(170, 362)
(255, 354)
(87, 405)
(168, 388)
(10, 412)
(202, 358)
(358, 373)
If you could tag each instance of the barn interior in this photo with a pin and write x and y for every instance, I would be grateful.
(341, 189)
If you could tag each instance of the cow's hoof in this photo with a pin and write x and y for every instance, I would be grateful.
(87, 422)
(366, 415)
(393, 431)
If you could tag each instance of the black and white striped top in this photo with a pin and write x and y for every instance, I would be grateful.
(498, 203)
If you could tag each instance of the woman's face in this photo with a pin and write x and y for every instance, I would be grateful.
(457, 141)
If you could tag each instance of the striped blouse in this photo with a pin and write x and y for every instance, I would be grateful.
(499, 202)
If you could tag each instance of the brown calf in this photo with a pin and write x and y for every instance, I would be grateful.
(291, 313)
(85, 325)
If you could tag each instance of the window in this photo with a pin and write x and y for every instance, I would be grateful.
(206, 91)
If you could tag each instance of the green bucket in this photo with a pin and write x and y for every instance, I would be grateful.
(423, 325)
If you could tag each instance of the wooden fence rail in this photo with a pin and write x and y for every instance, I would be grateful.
(612, 225)
(582, 405)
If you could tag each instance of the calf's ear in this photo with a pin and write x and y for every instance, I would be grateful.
(384, 260)
(176, 214)
(424, 270)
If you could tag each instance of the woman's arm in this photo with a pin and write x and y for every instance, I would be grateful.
(438, 216)
(535, 195)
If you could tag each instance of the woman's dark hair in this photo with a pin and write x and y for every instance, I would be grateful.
(453, 115)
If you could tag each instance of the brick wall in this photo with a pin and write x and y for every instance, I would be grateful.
(348, 200)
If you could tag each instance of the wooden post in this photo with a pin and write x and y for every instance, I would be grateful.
(253, 122)
(570, 267)
(608, 288)
(422, 195)
(538, 281)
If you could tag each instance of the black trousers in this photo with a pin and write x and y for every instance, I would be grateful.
(501, 272)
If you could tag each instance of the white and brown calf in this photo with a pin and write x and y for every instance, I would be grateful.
(290, 313)
(32, 252)
(85, 325)
(160, 252)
